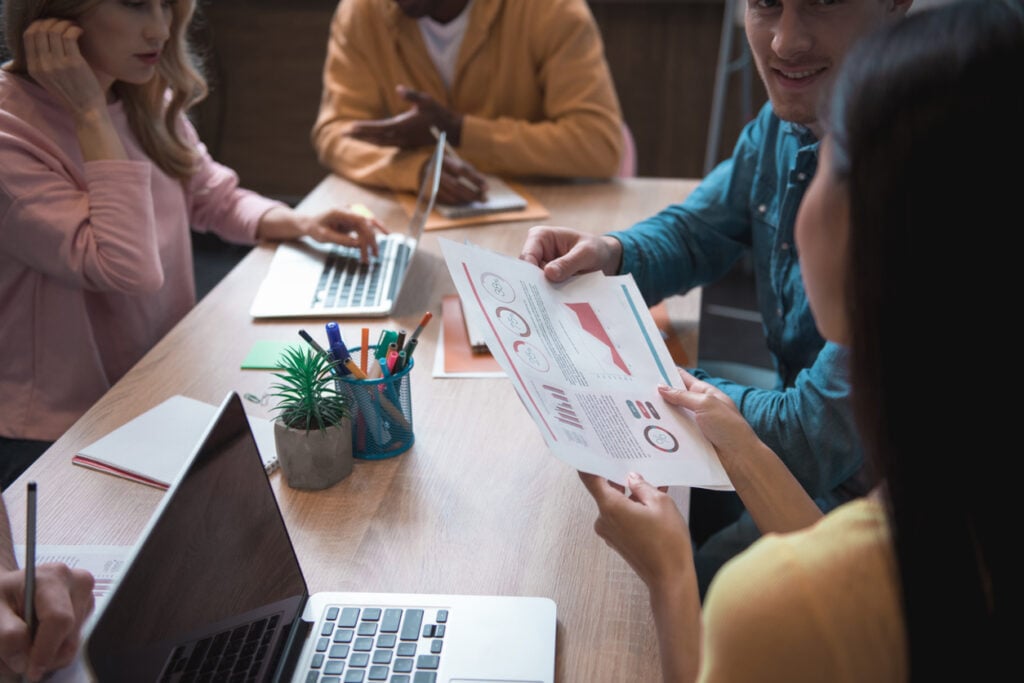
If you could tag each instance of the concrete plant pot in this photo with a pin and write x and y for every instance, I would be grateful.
(314, 460)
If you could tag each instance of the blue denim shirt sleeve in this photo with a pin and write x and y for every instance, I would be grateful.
(809, 425)
(697, 241)
(750, 202)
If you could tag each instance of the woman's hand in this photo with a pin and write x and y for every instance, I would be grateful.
(716, 415)
(645, 528)
(55, 63)
(769, 491)
(349, 228)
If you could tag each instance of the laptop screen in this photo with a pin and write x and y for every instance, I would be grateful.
(214, 574)
(427, 194)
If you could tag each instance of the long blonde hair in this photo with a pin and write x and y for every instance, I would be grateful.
(152, 115)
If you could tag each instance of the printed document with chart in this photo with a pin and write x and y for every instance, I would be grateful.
(585, 358)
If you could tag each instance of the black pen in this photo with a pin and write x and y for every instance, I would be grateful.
(410, 346)
(312, 342)
(30, 560)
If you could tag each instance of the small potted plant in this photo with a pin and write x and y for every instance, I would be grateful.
(313, 428)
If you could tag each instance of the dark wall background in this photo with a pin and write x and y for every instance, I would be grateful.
(264, 59)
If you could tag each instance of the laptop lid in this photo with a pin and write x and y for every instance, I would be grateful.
(215, 570)
(297, 284)
(215, 558)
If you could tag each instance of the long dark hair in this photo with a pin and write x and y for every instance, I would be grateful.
(926, 123)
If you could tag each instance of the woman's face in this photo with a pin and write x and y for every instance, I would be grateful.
(122, 39)
(822, 236)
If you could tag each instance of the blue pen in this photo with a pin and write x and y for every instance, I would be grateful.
(333, 335)
(338, 348)
(340, 353)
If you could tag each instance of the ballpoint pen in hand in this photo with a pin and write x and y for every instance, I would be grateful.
(30, 559)
(464, 181)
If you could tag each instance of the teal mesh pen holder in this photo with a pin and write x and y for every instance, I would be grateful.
(381, 412)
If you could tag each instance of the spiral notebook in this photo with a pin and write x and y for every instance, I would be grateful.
(152, 448)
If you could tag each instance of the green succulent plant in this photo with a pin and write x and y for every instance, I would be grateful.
(307, 396)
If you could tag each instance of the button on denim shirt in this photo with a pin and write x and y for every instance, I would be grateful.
(750, 202)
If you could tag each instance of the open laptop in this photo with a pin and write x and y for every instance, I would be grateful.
(307, 278)
(213, 591)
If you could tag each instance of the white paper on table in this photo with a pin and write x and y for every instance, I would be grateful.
(104, 562)
(586, 357)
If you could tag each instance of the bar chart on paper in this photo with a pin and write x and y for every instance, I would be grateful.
(104, 562)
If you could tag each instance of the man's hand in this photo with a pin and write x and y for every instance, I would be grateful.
(410, 129)
(460, 182)
(63, 600)
(564, 252)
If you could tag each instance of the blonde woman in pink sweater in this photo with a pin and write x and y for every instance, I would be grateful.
(101, 179)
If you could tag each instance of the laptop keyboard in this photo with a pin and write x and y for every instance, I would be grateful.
(347, 283)
(233, 655)
(371, 644)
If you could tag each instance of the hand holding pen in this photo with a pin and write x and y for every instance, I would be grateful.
(460, 182)
(41, 611)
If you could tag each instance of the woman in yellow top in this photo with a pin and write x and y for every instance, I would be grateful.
(901, 585)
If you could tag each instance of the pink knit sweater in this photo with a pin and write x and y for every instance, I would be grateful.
(95, 258)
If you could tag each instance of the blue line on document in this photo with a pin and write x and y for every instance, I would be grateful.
(647, 337)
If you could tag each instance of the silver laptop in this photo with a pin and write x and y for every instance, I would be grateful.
(214, 592)
(500, 197)
(309, 278)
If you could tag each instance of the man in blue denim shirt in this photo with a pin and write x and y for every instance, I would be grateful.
(750, 202)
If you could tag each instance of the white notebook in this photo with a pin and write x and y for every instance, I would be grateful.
(152, 447)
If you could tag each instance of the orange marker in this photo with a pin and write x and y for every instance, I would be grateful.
(364, 348)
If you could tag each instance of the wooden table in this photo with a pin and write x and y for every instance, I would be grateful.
(478, 505)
